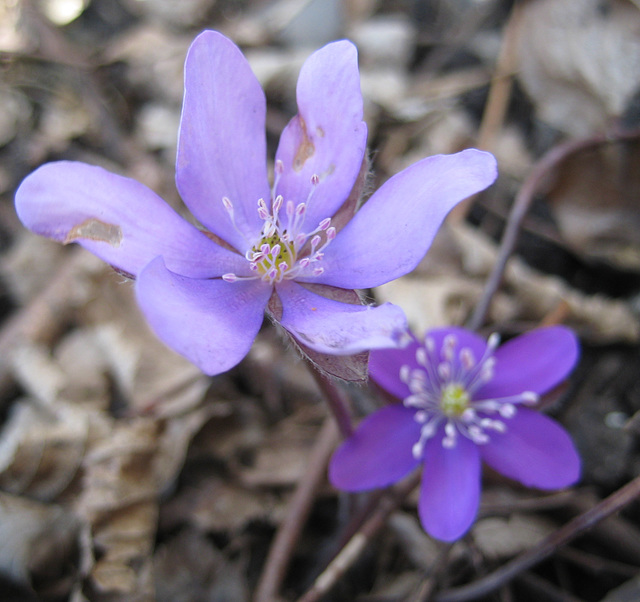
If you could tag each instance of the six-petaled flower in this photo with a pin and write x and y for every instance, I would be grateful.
(463, 400)
(265, 246)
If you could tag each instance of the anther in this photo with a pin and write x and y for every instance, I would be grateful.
(467, 359)
(493, 341)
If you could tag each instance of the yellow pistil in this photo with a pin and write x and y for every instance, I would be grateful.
(454, 400)
(266, 263)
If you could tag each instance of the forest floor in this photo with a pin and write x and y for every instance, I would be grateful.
(128, 475)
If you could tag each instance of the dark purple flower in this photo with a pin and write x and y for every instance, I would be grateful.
(464, 400)
(205, 293)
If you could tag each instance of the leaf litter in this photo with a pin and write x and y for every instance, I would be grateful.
(125, 474)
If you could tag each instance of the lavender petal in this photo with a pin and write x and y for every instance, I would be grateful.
(338, 328)
(328, 137)
(379, 452)
(210, 322)
(534, 450)
(222, 144)
(536, 361)
(391, 233)
(450, 489)
(118, 219)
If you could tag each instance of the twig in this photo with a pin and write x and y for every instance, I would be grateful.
(544, 590)
(616, 501)
(298, 509)
(540, 172)
(429, 585)
(498, 98)
(502, 81)
(355, 546)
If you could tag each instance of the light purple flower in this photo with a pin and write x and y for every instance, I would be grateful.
(204, 293)
(464, 400)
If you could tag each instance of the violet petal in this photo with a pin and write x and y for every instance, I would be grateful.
(338, 328)
(536, 361)
(378, 453)
(118, 219)
(328, 137)
(210, 322)
(450, 489)
(392, 232)
(385, 364)
(222, 145)
(534, 450)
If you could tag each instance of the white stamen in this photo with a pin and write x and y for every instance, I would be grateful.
(444, 388)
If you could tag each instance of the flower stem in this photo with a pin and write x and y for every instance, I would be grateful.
(335, 400)
(298, 509)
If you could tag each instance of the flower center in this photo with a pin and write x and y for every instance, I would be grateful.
(284, 250)
(272, 257)
(454, 400)
(444, 393)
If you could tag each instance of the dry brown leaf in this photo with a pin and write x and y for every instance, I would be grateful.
(220, 506)
(580, 60)
(153, 377)
(119, 501)
(36, 538)
(189, 567)
(526, 295)
(596, 317)
(595, 203)
(502, 538)
(41, 453)
(155, 57)
(281, 458)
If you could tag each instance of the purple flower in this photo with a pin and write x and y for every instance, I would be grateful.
(464, 400)
(280, 247)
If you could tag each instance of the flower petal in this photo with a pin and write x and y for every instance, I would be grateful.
(463, 339)
(338, 328)
(120, 220)
(450, 489)
(534, 450)
(210, 322)
(328, 137)
(222, 144)
(378, 453)
(393, 230)
(536, 361)
(385, 364)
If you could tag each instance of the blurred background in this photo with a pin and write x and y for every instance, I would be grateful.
(127, 475)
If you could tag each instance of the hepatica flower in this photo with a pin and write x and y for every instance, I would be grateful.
(282, 246)
(463, 400)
